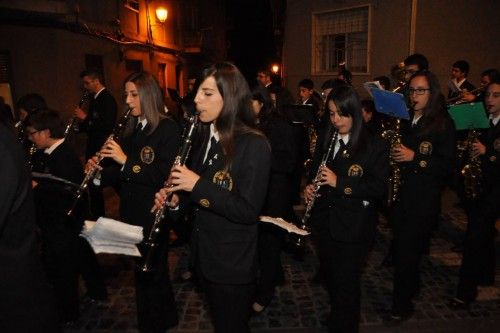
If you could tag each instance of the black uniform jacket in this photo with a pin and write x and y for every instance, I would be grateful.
(490, 166)
(54, 198)
(99, 122)
(24, 300)
(228, 206)
(423, 177)
(149, 160)
(361, 183)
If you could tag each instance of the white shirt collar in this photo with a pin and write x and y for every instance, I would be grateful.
(56, 144)
(345, 137)
(143, 122)
(415, 120)
(459, 83)
(97, 93)
(213, 132)
(495, 120)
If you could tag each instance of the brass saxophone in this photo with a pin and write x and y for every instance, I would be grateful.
(153, 242)
(304, 225)
(393, 136)
(472, 171)
(89, 176)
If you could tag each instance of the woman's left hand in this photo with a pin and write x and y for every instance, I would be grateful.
(403, 154)
(113, 150)
(327, 176)
(182, 178)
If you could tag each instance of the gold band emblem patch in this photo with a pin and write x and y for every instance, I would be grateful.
(355, 170)
(205, 203)
(425, 148)
(136, 168)
(348, 191)
(423, 164)
(147, 155)
(223, 179)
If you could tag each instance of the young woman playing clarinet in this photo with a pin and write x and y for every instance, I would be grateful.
(426, 156)
(227, 183)
(343, 220)
(143, 159)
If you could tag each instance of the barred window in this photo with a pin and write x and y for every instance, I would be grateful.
(340, 36)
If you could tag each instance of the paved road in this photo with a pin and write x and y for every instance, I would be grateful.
(300, 306)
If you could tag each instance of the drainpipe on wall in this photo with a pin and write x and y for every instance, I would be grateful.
(413, 26)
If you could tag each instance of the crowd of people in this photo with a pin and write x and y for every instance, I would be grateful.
(249, 156)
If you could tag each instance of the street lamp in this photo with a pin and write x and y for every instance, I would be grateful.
(275, 68)
(161, 14)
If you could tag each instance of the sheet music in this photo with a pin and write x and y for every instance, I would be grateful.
(111, 236)
(290, 227)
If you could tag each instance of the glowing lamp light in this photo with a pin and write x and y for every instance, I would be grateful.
(161, 14)
(275, 69)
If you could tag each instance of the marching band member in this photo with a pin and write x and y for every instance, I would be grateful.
(26, 302)
(345, 216)
(227, 184)
(426, 157)
(143, 159)
(59, 233)
(279, 199)
(478, 262)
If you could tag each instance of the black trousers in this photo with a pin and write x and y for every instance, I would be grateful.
(156, 308)
(59, 257)
(271, 241)
(229, 305)
(89, 268)
(478, 261)
(411, 236)
(342, 264)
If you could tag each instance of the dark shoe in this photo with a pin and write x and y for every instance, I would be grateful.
(397, 318)
(458, 304)
(387, 262)
(96, 297)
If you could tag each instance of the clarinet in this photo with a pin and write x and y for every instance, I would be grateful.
(299, 242)
(153, 241)
(89, 176)
(73, 122)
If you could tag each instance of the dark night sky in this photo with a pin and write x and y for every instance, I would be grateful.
(250, 35)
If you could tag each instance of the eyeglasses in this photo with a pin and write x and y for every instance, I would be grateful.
(31, 133)
(409, 71)
(418, 91)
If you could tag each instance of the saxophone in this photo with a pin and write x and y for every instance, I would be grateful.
(304, 225)
(472, 171)
(89, 176)
(393, 136)
(153, 242)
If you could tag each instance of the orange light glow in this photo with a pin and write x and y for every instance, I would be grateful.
(161, 14)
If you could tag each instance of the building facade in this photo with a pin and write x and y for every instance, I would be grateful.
(47, 43)
(372, 36)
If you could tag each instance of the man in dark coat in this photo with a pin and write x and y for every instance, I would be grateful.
(26, 304)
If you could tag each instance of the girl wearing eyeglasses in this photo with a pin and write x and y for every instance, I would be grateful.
(426, 156)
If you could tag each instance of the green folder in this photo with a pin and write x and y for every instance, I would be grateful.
(469, 116)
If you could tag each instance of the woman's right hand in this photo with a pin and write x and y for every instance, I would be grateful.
(309, 193)
(160, 198)
(92, 164)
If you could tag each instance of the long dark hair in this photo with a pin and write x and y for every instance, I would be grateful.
(236, 116)
(434, 115)
(348, 105)
(152, 103)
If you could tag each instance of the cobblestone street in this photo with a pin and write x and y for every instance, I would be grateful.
(300, 306)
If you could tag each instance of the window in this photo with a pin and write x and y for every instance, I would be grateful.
(132, 5)
(133, 65)
(340, 36)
